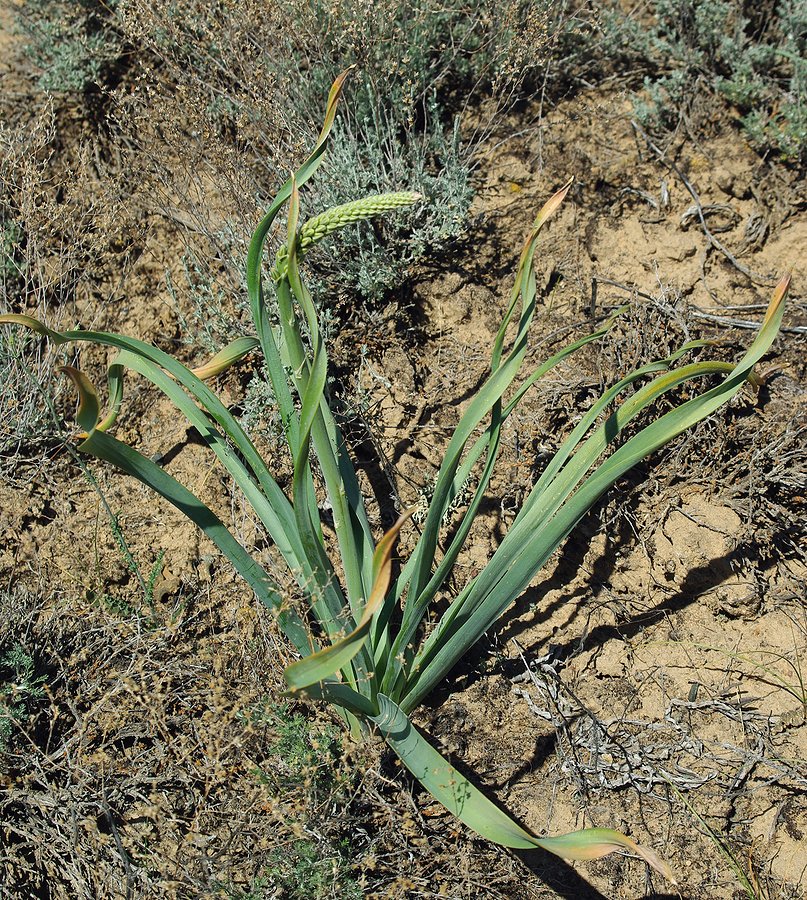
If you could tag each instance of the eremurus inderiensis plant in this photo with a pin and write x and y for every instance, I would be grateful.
(363, 643)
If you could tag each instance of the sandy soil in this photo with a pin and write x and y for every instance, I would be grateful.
(652, 679)
(648, 678)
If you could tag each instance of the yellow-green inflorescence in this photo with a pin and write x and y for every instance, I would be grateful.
(314, 230)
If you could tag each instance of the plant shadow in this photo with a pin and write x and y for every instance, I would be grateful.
(557, 874)
(581, 600)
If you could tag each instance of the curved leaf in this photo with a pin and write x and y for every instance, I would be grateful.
(225, 358)
(525, 549)
(479, 813)
(486, 401)
(322, 665)
(34, 325)
(127, 459)
(88, 410)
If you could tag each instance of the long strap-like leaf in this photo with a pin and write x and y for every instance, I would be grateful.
(172, 377)
(394, 664)
(260, 314)
(504, 372)
(270, 343)
(128, 460)
(317, 423)
(266, 497)
(476, 811)
(318, 667)
(508, 573)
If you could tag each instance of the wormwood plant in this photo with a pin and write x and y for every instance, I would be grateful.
(754, 60)
(363, 642)
(19, 692)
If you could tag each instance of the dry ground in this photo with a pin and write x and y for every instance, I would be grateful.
(652, 681)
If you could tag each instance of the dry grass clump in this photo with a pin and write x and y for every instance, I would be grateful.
(231, 130)
(155, 764)
(159, 761)
(64, 238)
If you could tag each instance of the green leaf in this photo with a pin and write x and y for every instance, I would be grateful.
(479, 813)
(266, 497)
(316, 419)
(260, 315)
(225, 358)
(107, 448)
(33, 324)
(527, 547)
(322, 665)
(88, 410)
(486, 401)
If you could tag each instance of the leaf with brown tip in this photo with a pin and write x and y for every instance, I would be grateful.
(325, 663)
(88, 410)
